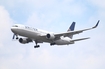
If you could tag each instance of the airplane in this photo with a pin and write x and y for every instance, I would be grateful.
(30, 34)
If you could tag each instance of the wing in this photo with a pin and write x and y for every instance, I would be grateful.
(75, 32)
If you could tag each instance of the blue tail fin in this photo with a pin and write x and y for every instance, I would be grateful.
(71, 28)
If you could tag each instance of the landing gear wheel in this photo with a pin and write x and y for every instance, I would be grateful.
(17, 38)
(37, 46)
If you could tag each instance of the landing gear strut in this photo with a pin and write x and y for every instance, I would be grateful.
(14, 36)
(17, 37)
(37, 46)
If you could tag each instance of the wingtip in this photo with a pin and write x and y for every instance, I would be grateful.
(96, 24)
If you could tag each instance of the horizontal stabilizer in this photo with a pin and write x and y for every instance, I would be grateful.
(80, 39)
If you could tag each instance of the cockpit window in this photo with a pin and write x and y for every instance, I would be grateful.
(15, 26)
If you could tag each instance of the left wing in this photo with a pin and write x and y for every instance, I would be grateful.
(75, 32)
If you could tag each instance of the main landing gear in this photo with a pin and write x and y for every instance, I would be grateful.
(37, 46)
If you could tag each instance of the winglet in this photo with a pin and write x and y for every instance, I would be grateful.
(96, 24)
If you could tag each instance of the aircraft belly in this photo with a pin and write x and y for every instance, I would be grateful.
(61, 42)
(44, 39)
(64, 41)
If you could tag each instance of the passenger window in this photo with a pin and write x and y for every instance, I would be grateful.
(16, 26)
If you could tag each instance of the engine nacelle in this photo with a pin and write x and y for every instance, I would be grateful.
(24, 40)
(50, 36)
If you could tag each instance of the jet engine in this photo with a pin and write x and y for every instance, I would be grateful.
(24, 40)
(50, 36)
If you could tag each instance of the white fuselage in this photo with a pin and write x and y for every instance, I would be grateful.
(39, 36)
(35, 34)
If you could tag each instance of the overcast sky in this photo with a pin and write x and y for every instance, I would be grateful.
(53, 16)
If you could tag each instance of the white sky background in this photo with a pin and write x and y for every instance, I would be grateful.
(54, 16)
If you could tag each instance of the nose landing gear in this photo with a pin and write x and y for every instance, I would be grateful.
(14, 36)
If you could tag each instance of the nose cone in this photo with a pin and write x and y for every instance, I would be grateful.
(13, 29)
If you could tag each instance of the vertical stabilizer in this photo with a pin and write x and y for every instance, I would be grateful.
(71, 28)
